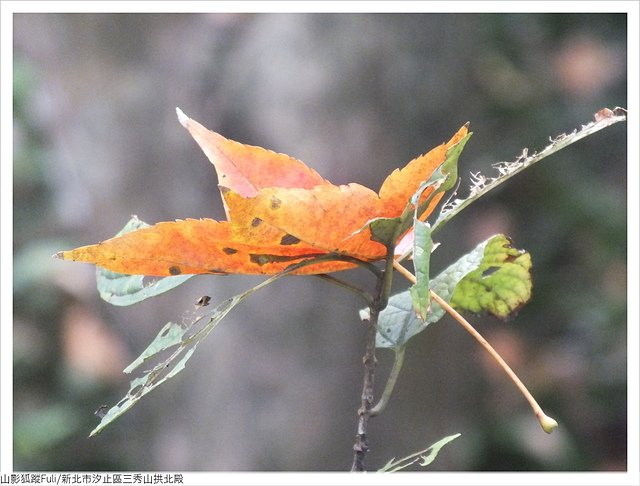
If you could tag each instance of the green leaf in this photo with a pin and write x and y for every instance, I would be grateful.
(482, 184)
(423, 457)
(422, 245)
(445, 176)
(184, 340)
(179, 342)
(450, 166)
(398, 322)
(170, 335)
(120, 289)
(500, 285)
(442, 179)
(385, 230)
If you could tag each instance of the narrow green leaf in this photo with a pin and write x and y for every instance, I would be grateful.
(170, 335)
(443, 179)
(175, 344)
(446, 175)
(398, 322)
(422, 245)
(450, 166)
(182, 341)
(387, 230)
(120, 289)
(435, 449)
(482, 184)
(423, 457)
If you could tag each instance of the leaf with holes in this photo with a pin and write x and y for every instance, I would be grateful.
(423, 457)
(170, 350)
(494, 277)
(421, 257)
(500, 285)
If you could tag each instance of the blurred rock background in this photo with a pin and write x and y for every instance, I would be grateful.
(277, 385)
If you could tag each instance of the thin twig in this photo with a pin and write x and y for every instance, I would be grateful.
(547, 423)
(346, 285)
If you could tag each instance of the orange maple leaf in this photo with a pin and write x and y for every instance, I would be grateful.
(280, 212)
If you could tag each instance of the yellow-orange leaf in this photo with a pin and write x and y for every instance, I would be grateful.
(280, 212)
(401, 184)
(332, 218)
(195, 246)
(246, 169)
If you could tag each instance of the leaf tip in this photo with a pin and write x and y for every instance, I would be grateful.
(606, 113)
(182, 118)
(59, 255)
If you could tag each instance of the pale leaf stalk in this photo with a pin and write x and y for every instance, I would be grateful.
(547, 423)
(398, 361)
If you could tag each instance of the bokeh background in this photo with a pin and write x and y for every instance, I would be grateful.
(276, 386)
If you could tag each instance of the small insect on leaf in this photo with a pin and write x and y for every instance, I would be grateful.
(203, 301)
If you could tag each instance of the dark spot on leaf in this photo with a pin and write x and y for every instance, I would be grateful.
(229, 251)
(262, 259)
(489, 271)
(275, 202)
(256, 222)
(101, 412)
(259, 259)
(175, 270)
(203, 301)
(289, 240)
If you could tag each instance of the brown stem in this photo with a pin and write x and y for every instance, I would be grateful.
(360, 445)
(383, 288)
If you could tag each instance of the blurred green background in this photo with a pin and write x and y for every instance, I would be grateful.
(277, 385)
